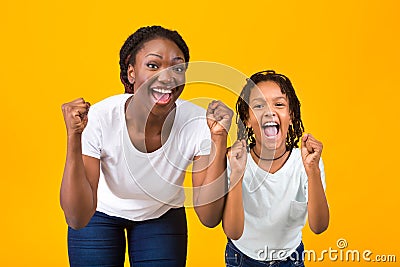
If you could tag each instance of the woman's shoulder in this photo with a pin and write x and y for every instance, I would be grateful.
(189, 109)
(114, 100)
(110, 103)
(191, 118)
(109, 107)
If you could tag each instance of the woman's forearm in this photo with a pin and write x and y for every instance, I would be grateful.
(76, 195)
(209, 197)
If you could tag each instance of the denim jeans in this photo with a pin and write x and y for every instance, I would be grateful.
(155, 242)
(234, 257)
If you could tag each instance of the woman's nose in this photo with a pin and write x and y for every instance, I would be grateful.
(165, 76)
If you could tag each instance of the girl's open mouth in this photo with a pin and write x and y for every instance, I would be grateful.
(270, 129)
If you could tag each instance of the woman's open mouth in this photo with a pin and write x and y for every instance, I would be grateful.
(161, 95)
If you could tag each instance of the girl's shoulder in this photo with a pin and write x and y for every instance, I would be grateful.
(295, 154)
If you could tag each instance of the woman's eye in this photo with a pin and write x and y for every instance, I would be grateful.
(152, 66)
(258, 106)
(179, 68)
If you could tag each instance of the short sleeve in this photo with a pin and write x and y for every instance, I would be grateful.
(203, 136)
(92, 135)
(228, 171)
(322, 169)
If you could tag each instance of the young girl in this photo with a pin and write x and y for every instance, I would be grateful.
(273, 182)
(103, 193)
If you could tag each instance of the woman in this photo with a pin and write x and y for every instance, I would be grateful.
(110, 185)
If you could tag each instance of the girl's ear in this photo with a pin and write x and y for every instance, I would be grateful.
(291, 118)
(131, 74)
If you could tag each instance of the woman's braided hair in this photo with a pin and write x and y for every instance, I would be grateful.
(135, 42)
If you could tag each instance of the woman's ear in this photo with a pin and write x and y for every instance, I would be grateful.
(131, 74)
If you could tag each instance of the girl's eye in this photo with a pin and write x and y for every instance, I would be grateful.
(280, 104)
(152, 66)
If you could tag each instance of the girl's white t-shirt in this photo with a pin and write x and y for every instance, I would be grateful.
(275, 208)
(136, 185)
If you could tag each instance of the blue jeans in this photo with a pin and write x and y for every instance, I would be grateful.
(234, 257)
(155, 242)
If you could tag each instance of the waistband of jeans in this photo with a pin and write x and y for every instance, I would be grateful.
(294, 256)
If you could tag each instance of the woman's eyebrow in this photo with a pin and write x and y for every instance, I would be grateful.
(155, 55)
(178, 58)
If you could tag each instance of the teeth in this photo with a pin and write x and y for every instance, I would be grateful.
(269, 124)
(162, 91)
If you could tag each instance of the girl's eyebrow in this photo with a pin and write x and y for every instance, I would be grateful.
(279, 97)
(258, 99)
(263, 98)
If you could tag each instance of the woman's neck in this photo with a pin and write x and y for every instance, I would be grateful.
(148, 131)
(146, 121)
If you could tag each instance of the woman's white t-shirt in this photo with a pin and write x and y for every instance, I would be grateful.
(275, 208)
(136, 185)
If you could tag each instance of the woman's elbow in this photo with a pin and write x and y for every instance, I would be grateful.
(76, 223)
(207, 218)
(209, 222)
(233, 234)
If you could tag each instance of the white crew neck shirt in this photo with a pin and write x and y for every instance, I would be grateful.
(136, 185)
(275, 208)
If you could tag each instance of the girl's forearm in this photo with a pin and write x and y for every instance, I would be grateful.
(233, 217)
(318, 210)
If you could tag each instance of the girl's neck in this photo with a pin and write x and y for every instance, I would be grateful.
(270, 160)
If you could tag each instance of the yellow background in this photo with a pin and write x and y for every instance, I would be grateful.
(342, 56)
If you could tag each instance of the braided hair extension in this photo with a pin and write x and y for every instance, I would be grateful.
(242, 108)
(135, 42)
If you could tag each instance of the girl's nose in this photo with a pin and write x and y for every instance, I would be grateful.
(269, 112)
